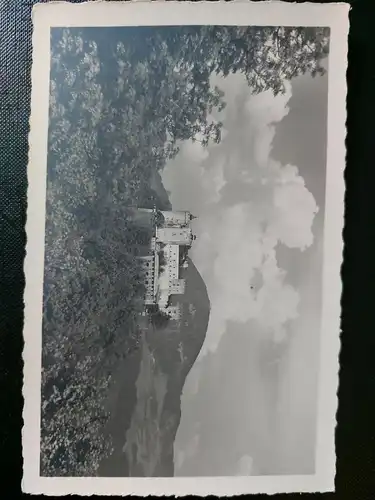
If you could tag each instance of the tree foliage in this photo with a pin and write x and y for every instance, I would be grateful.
(121, 100)
(158, 219)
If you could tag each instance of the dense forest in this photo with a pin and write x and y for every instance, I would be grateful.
(121, 101)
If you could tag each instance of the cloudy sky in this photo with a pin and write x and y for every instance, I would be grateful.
(259, 198)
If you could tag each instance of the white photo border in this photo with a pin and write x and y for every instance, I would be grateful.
(64, 14)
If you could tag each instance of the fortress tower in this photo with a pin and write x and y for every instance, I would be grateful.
(176, 218)
(172, 218)
(175, 235)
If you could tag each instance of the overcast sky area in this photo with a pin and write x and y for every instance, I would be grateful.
(259, 198)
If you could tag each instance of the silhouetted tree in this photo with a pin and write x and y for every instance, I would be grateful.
(159, 219)
(160, 319)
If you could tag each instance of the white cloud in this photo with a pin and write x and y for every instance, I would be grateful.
(276, 300)
(229, 252)
(264, 111)
(247, 203)
(295, 209)
(228, 257)
(215, 183)
(194, 151)
(263, 206)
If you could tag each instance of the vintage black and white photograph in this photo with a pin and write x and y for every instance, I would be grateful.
(186, 198)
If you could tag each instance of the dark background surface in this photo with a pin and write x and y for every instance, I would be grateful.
(355, 436)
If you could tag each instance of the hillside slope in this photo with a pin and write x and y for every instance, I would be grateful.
(146, 405)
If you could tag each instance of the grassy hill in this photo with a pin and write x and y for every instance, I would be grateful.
(146, 406)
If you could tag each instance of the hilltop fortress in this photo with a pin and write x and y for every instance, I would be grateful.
(169, 247)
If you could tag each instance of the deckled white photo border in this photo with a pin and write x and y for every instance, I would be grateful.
(55, 14)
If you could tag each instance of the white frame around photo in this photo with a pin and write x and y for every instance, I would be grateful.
(61, 14)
